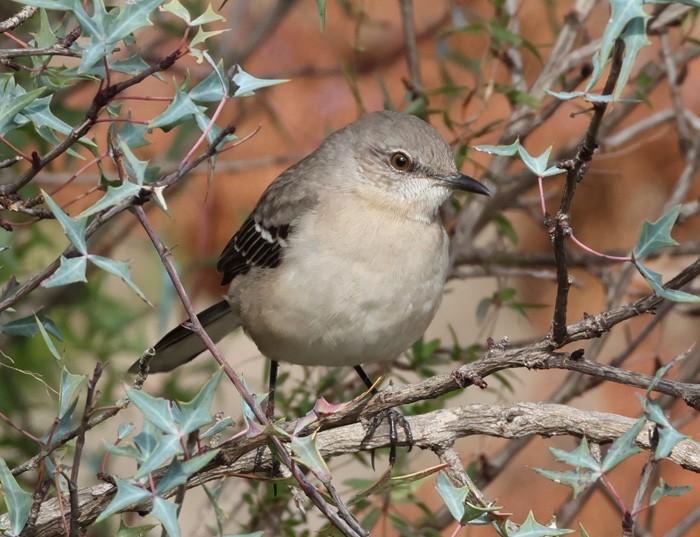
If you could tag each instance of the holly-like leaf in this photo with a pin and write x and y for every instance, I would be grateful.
(576, 479)
(664, 489)
(668, 436)
(624, 447)
(531, 528)
(70, 384)
(500, 150)
(635, 38)
(180, 110)
(195, 413)
(166, 512)
(208, 16)
(581, 457)
(17, 500)
(27, 326)
(120, 269)
(622, 14)
(305, 451)
(74, 228)
(156, 410)
(47, 339)
(655, 282)
(113, 196)
(247, 84)
(454, 497)
(127, 495)
(656, 236)
(71, 270)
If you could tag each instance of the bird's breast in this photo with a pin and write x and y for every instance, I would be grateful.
(355, 285)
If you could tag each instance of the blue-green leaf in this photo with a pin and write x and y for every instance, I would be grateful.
(178, 472)
(578, 480)
(531, 528)
(121, 270)
(155, 409)
(195, 413)
(47, 339)
(113, 196)
(180, 110)
(13, 100)
(208, 16)
(656, 283)
(661, 373)
(247, 84)
(69, 387)
(124, 430)
(664, 489)
(536, 165)
(27, 326)
(581, 457)
(305, 450)
(656, 236)
(213, 88)
(74, 228)
(622, 14)
(167, 447)
(71, 270)
(624, 447)
(668, 436)
(166, 512)
(177, 9)
(127, 495)
(17, 500)
(500, 150)
(454, 497)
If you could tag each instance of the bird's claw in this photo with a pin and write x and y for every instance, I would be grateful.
(394, 418)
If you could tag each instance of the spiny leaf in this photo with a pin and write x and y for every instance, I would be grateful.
(655, 281)
(71, 270)
(74, 228)
(624, 447)
(656, 236)
(119, 269)
(17, 500)
(127, 496)
(664, 489)
(166, 512)
(69, 386)
(454, 497)
(305, 450)
(531, 528)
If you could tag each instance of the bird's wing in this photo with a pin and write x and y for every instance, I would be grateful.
(261, 240)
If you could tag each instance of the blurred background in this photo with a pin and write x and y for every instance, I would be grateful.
(465, 87)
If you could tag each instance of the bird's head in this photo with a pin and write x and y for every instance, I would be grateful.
(400, 162)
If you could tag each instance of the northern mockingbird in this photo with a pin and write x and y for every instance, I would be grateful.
(344, 258)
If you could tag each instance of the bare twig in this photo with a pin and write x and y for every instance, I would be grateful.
(20, 18)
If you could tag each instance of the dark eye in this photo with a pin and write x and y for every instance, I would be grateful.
(400, 161)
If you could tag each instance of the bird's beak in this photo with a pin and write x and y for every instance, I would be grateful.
(467, 184)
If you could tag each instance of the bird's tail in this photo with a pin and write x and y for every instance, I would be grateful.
(181, 345)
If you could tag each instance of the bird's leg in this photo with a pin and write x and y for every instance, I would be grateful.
(269, 414)
(393, 417)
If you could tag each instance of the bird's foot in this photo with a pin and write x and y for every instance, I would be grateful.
(394, 418)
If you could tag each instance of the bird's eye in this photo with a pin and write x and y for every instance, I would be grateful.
(401, 161)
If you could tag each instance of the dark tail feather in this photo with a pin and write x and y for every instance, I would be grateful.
(181, 345)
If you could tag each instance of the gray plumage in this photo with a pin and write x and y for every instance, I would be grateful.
(344, 258)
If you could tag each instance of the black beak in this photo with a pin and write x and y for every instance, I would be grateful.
(468, 184)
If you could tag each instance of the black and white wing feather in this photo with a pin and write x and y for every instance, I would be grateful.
(263, 237)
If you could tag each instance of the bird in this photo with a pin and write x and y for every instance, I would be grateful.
(344, 259)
